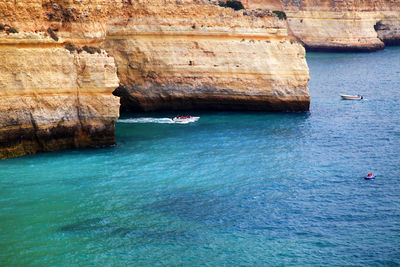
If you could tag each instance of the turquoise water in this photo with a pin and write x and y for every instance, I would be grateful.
(231, 189)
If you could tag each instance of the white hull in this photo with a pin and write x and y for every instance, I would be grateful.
(351, 97)
(191, 119)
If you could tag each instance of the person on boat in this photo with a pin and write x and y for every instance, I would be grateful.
(369, 174)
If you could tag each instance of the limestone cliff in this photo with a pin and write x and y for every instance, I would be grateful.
(169, 55)
(51, 99)
(177, 55)
(351, 25)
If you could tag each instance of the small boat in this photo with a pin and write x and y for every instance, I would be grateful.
(351, 97)
(185, 119)
(369, 176)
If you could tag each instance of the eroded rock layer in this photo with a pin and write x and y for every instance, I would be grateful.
(177, 55)
(170, 55)
(51, 99)
(351, 25)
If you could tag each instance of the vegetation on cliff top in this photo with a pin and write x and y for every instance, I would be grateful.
(234, 4)
(71, 47)
(12, 30)
(280, 14)
(89, 49)
(52, 34)
(8, 28)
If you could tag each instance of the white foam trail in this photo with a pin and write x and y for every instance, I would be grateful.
(186, 121)
(160, 120)
(147, 120)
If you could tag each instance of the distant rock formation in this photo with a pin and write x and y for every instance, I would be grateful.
(346, 25)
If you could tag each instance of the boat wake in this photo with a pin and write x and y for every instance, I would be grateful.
(156, 120)
(147, 120)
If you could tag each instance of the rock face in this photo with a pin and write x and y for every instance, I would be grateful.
(351, 25)
(169, 55)
(389, 30)
(51, 99)
(179, 55)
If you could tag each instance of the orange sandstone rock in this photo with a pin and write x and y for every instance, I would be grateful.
(51, 99)
(180, 54)
(348, 25)
(194, 55)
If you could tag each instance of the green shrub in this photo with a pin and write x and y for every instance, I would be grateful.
(91, 49)
(70, 47)
(234, 4)
(280, 14)
(12, 30)
(52, 34)
(221, 3)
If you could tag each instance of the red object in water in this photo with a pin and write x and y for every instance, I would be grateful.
(369, 176)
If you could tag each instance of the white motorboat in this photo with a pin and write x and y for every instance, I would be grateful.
(351, 97)
(186, 119)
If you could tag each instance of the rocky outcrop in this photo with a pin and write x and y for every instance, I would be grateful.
(389, 30)
(170, 55)
(179, 55)
(51, 99)
(351, 25)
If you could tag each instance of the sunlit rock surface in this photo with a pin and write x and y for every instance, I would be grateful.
(168, 55)
(177, 55)
(51, 99)
(347, 25)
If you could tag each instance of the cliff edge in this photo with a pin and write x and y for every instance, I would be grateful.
(185, 55)
(61, 60)
(329, 25)
(51, 99)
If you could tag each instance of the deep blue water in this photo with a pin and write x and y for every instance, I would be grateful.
(232, 189)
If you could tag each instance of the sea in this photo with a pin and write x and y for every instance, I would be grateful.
(232, 189)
